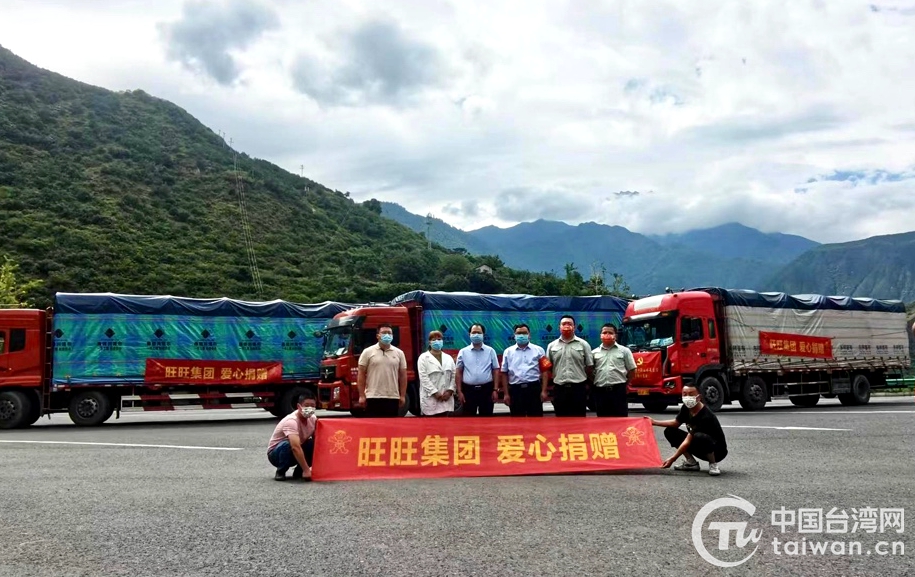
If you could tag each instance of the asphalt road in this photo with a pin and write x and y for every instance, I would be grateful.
(83, 509)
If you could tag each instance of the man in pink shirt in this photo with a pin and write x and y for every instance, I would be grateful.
(293, 441)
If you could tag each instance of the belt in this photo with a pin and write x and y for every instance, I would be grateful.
(477, 386)
(570, 384)
(524, 385)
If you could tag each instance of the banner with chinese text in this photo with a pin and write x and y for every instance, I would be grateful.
(347, 449)
(795, 345)
(212, 372)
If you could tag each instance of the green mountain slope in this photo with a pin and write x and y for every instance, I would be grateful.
(878, 267)
(734, 240)
(124, 192)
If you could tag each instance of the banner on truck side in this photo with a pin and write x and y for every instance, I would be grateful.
(347, 449)
(212, 372)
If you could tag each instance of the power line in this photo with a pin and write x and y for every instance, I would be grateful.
(246, 227)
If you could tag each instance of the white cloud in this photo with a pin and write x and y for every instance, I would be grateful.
(490, 114)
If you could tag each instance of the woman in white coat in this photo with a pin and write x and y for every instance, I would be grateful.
(436, 379)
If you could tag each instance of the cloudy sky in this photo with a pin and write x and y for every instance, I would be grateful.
(793, 116)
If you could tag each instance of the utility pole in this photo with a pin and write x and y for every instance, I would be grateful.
(429, 218)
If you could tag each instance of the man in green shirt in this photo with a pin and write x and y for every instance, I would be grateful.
(571, 366)
(614, 367)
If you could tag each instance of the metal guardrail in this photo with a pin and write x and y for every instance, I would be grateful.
(906, 383)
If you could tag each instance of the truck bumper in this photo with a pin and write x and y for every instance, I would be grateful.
(333, 396)
(669, 389)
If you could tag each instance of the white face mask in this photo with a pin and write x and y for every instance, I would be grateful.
(308, 411)
(690, 402)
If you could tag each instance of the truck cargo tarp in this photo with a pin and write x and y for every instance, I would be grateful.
(748, 298)
(453, 313)
(773, 331)
(106, 338)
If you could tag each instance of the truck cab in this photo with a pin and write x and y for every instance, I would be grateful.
(24, 358)
(675, 340)
(351, 332)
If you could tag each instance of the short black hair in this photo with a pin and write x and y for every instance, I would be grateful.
(608, 326)
(306, 395)
(520, 326)
(564, 317)
(384, 326)
(482, 328)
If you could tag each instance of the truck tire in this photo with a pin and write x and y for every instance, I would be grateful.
(90, 408)
(35, 413)
(712, 392)
(860, 392)
(753, 394)
(655, 406)
(289, 401)
(411, 405)
(804, 400)
(15, 409)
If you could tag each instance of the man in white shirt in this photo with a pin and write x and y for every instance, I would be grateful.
(476, 375)
(525, 383)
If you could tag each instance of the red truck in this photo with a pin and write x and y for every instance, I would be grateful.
(413, 315)
(751, 347)
(96, 354)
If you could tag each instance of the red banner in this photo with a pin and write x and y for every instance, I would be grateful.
(212, 372)
(479, 447)
(788, 345)
(647, 368)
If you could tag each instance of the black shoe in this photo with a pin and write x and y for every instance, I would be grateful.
(280, 475)
(297, 473)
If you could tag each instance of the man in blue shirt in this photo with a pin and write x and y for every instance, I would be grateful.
(476, 374)
(525, 383)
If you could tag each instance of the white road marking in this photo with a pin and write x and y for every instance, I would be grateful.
(781, 428)
(125, 445)
(859, 412)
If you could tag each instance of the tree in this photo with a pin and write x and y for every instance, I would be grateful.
(454, 264)
(574, 284)
(373, 205)
(12, 292)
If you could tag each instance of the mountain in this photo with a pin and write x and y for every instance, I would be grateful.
(734, 240)
(441, 232)
(878, 267)
(124, 192)
(728, 255)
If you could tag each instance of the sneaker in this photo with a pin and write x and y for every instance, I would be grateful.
(713, 470)
(280, 475)
(687, 466)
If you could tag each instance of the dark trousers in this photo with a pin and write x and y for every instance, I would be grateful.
(382, 407)
(570, 400)
(477, 398)
(282, 458)
(700, 447)
(610, 401)
(525, 400)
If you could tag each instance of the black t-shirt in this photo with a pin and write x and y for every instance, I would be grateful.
(704, 421)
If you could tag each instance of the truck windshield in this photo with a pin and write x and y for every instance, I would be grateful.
(337, 341)
(653, 333)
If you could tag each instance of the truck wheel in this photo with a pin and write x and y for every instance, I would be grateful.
(804, 400)
(35, 413)
(90, 408)
(753, 394)
(713, 392)
(860, 392)
(288, 401)
(15, 409)
(655, 406)
(408, 406)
